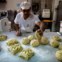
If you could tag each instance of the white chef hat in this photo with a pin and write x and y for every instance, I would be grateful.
(25, 5)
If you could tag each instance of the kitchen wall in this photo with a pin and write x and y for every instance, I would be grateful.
(54, 6)
(48, 4)
(43, 2)
(11, 4)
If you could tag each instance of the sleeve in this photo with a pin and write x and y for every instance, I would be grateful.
(16, 19)
(37, 19)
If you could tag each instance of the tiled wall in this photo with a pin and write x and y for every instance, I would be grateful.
(54, 6)
(11, 4)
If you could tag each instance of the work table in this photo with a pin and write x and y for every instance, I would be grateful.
(42, 53)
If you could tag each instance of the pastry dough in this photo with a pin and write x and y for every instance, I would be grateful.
(3, 37)
(59, 55)
(34, 43)
(44, 40)
(15, 48)
(57, 38)
(31, 37)
(60, 46)
(26, 54)
(25, 41)
(12, 42)
(54, 43)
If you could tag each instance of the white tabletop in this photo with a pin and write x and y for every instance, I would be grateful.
(42, 53)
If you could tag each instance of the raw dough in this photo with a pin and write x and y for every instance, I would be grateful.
(26, 54)
(31, 37)
(60, 46)
(3, 37)
(44, 40)
(15, 48)
(25, 41)
(54, 43)
(57, 38)
(34, 43)
(12, 42)
(59, 55)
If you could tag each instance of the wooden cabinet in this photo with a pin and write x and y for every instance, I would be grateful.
(48, 24)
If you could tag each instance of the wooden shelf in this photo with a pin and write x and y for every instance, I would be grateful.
(47, 21)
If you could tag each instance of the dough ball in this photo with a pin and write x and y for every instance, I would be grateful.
(26, 54)
(31, 37)
(3, 37)
(57, 38)
(60, 46)
(14, 49)
(59, 55)
(44, 40)
(12, 42)
(34, 43)
(54, 43)
(25, 41)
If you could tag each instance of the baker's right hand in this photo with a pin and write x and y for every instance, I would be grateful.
(18, 33)
(40, 32)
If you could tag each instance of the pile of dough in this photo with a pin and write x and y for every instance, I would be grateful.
(3, 37)
(60, 46)
(34, 43)
(12, 42)
(57, 38)
(37, 35)
(31, 37)
(59, 55)
(54, 43)
(26, 54)
(44, 40)
(14, 49)
(25, 41)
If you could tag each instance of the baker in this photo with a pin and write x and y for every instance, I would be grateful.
(26, 21)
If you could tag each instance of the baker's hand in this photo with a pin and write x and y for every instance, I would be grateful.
(40, 32)
(42, 27)
(18, 33)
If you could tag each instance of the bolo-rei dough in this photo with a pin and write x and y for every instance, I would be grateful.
(38, 35)
(12, 42)
(3, 37)
(34, 43)
(14, 49)
(54, 43)
(60, 46)
(59, 55)
(25, 41)
(31, 37)
(57, 38)
(26, 54)
(44, 41)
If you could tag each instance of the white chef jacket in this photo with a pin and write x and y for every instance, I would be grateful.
(28, 24)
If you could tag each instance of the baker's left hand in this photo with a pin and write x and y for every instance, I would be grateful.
(18, 33)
